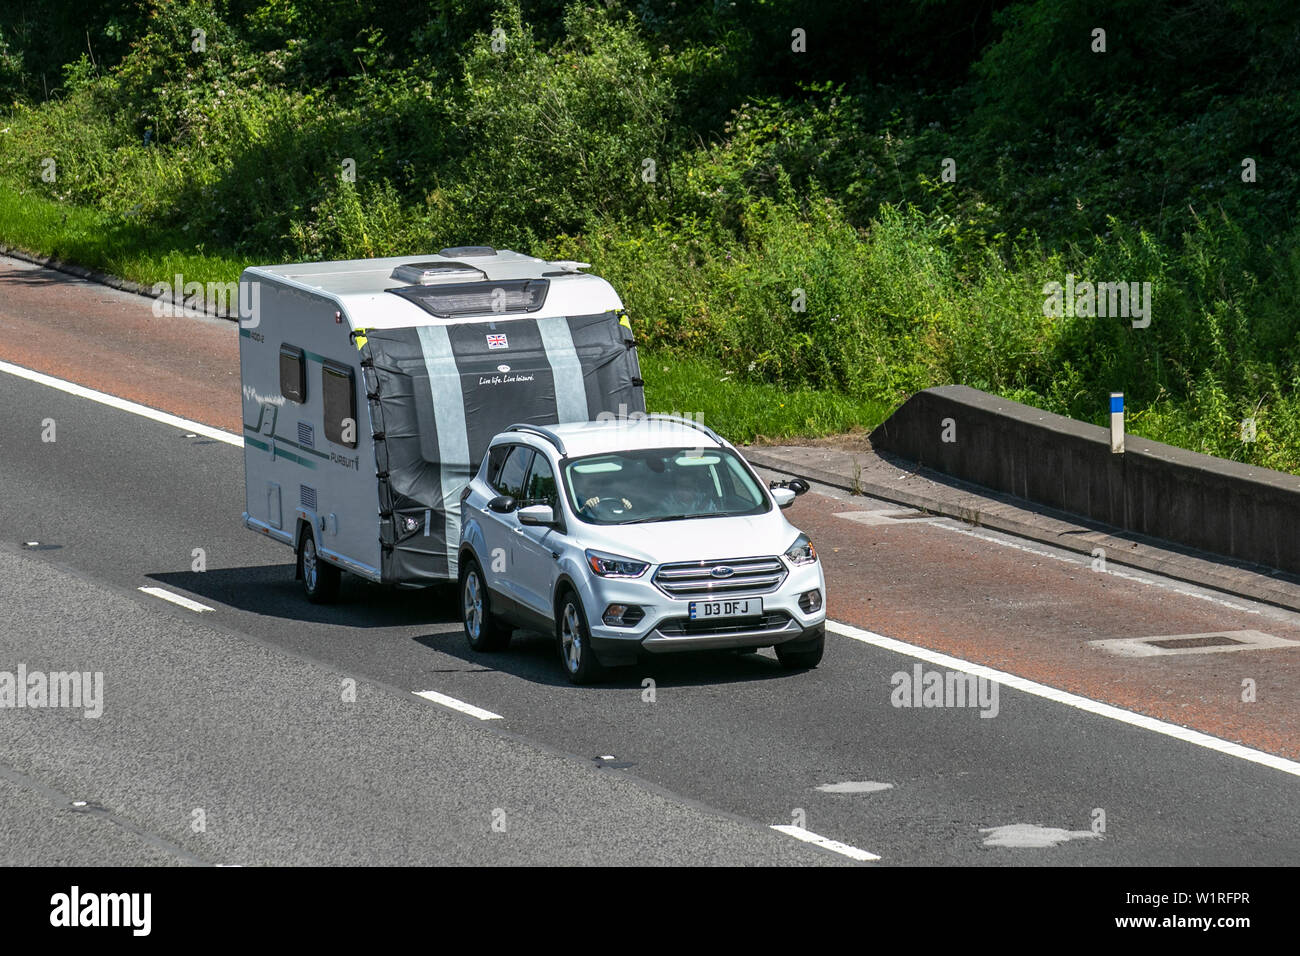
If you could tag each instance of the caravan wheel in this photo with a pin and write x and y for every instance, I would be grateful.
(320, 579)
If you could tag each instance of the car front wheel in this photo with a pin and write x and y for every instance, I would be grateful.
(802, 656)
(574, 640)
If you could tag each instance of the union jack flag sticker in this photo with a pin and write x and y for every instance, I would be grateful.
(497, 341)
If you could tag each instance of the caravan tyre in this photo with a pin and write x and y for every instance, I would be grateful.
(483, 631)
(320, 579)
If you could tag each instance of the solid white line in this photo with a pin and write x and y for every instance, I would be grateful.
(455, 704)
(144, 411)
(1070, 700)
(177, 599)
(835, 846)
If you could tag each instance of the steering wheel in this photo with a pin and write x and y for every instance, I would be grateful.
(607, 508)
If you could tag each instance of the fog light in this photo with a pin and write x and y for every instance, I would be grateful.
(810, 601)
(623, 615)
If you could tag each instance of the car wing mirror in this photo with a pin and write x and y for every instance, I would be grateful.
(784, 497)
(797, 485)
(502, 504)
(537, 515)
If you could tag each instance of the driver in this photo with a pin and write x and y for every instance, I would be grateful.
(594, 499)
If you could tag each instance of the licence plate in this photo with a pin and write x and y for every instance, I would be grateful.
(711, 610)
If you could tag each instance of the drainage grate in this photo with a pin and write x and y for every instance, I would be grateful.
(1212, 643)
(1189, 643)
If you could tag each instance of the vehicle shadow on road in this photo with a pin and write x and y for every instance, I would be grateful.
(533, 657)
(272, 591)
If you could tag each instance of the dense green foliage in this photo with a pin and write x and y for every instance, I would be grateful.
(720, 179)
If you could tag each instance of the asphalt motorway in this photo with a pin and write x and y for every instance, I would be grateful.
(227, 734)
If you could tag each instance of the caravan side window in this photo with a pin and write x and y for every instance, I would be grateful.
(293, 374)
(339, 393)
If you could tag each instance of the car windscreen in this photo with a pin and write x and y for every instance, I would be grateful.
(661, 484)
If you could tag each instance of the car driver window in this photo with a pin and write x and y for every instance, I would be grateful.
(541, 483)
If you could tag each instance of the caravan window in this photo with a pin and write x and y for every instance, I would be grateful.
(293, 374)
(340, 398)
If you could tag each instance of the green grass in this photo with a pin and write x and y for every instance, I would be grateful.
(700, 388)
(743, 411)
(132, 250)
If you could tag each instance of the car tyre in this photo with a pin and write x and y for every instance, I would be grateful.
(484, 631)
(803, 656)
(320, 579)
(573, 638)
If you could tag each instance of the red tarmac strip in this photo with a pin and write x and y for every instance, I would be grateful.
(111, 341)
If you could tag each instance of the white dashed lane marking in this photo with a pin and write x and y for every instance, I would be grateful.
(176, 599)
(835, 846)
(855, 786)
(454, 704)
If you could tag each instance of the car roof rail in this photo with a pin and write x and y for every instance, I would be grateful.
(546, 433)
(698, 426)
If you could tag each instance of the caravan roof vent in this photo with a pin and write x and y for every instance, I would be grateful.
(569, 265)
(467, 252)
(432, 273)
(502, 296)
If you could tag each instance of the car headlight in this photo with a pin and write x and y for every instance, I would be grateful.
(614, 566)
(802, 551)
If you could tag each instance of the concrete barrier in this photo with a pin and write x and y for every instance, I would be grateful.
(1224, 507)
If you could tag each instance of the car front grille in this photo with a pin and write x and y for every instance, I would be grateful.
(695, 579)
(685, 627)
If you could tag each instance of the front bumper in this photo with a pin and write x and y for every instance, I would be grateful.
(791, 632)
(668, 629)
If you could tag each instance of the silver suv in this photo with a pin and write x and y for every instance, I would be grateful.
(648, 535)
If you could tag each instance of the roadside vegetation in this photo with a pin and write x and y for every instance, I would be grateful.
(779, 223)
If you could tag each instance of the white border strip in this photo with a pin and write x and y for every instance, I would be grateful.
(835, 846)
(144, 411)
(1070, 700)
(455, 704)
(176, 599)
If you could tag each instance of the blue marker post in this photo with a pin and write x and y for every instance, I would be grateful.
(1117, 423)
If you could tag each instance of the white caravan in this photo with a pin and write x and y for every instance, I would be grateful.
(372, 387)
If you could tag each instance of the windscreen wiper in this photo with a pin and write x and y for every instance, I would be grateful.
(704, 514)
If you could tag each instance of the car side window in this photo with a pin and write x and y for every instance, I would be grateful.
(540, 489)
(496, 457)
(510, 480)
